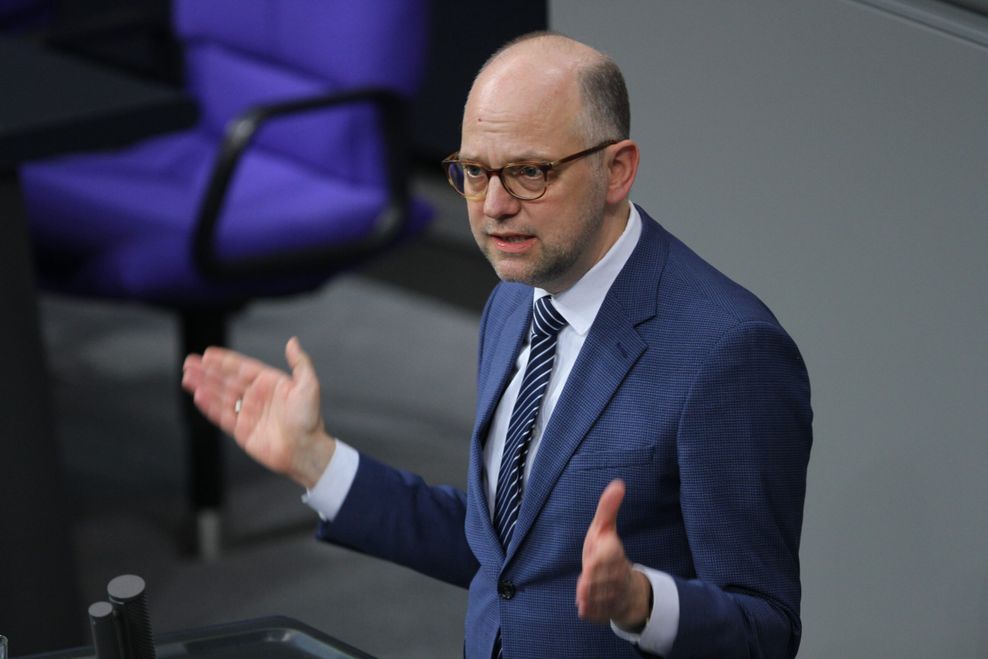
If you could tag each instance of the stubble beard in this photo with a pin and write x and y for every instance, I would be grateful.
(555, 262)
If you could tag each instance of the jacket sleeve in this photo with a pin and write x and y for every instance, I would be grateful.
(395, 515)
(743, 445)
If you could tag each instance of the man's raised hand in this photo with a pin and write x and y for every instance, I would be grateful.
(608, 588)
(278, 421)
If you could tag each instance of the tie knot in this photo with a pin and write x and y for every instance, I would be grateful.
(546, 320)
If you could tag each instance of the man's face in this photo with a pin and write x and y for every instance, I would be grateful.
(517, 113)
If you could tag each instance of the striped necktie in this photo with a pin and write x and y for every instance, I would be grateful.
(546, 324)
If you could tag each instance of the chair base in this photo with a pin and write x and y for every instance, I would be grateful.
(209, 535)
(201, 329)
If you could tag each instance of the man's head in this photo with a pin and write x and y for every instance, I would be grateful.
(542, 98)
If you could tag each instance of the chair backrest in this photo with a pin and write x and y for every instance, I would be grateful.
(242, 54)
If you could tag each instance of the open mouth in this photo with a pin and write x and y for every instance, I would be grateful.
(512, 242)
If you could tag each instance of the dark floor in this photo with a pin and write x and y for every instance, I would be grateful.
(395, 347)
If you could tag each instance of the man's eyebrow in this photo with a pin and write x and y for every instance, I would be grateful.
(530, 156)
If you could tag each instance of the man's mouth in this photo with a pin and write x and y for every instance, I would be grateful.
(512, 242)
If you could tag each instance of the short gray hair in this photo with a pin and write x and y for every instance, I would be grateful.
(606, 109)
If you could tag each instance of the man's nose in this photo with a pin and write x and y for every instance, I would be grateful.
(499, 203)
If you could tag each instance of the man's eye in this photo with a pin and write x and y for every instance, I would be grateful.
(526, 172)
(473, 171)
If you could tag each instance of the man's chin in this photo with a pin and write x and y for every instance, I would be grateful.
(521, 271)
(522, 276)
(506, 268)
(509, 270)
(510, 275)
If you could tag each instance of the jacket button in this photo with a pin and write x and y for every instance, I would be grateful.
(506, 589)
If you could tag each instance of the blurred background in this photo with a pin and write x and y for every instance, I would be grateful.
(831, 156)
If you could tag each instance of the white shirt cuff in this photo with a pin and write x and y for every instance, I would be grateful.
(329, 493)
(663, 621)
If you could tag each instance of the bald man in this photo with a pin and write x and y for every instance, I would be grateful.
(638, 462)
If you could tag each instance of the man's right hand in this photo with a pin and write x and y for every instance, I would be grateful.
(279, 422)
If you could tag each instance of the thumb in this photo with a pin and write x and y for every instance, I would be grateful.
(302, 370)
(607, 508)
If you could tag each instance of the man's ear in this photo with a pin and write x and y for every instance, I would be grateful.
(622, 167)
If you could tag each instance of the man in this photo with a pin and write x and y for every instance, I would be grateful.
(640, 448)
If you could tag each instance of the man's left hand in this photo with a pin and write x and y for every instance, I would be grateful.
(608, 588)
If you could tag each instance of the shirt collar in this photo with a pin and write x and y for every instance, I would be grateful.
(580, 303)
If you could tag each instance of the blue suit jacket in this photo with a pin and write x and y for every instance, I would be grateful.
(689, 390)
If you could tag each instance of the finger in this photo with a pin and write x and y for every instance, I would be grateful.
(303, 372)
(191, 373)
(602, 575)
(228, 375)
(217, 380)
(213, 400)
(592, 602)
(211, 388)
(582, 596)
(585, 604)
(215, 394)
(197, 381)
(205, 401)
(191, 360)
(605, 519)
(221, 362)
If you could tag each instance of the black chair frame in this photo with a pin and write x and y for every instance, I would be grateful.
(204, 326)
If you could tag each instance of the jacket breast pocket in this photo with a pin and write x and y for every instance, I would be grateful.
(597, 459)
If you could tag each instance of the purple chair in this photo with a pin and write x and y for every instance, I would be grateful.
(296, 170)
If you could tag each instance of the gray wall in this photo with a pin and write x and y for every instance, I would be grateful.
(834, 159)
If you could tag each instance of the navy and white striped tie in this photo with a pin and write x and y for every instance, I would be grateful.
(546, 324)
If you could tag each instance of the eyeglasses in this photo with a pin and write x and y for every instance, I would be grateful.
(526, 180)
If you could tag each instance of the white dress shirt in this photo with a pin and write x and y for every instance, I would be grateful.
(579, 306)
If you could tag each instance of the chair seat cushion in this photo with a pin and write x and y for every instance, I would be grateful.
(120, 224)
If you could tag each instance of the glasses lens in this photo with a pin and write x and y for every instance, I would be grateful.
(474, 180)
(454, 172)
(467, 179)
(525, 181)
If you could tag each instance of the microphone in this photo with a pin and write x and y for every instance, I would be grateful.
(127, 596)
(106, 634)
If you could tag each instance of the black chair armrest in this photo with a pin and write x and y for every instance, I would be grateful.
(316, 259)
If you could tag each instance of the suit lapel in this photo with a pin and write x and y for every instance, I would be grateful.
(504, 349)
(610, 351)
(612, 347)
